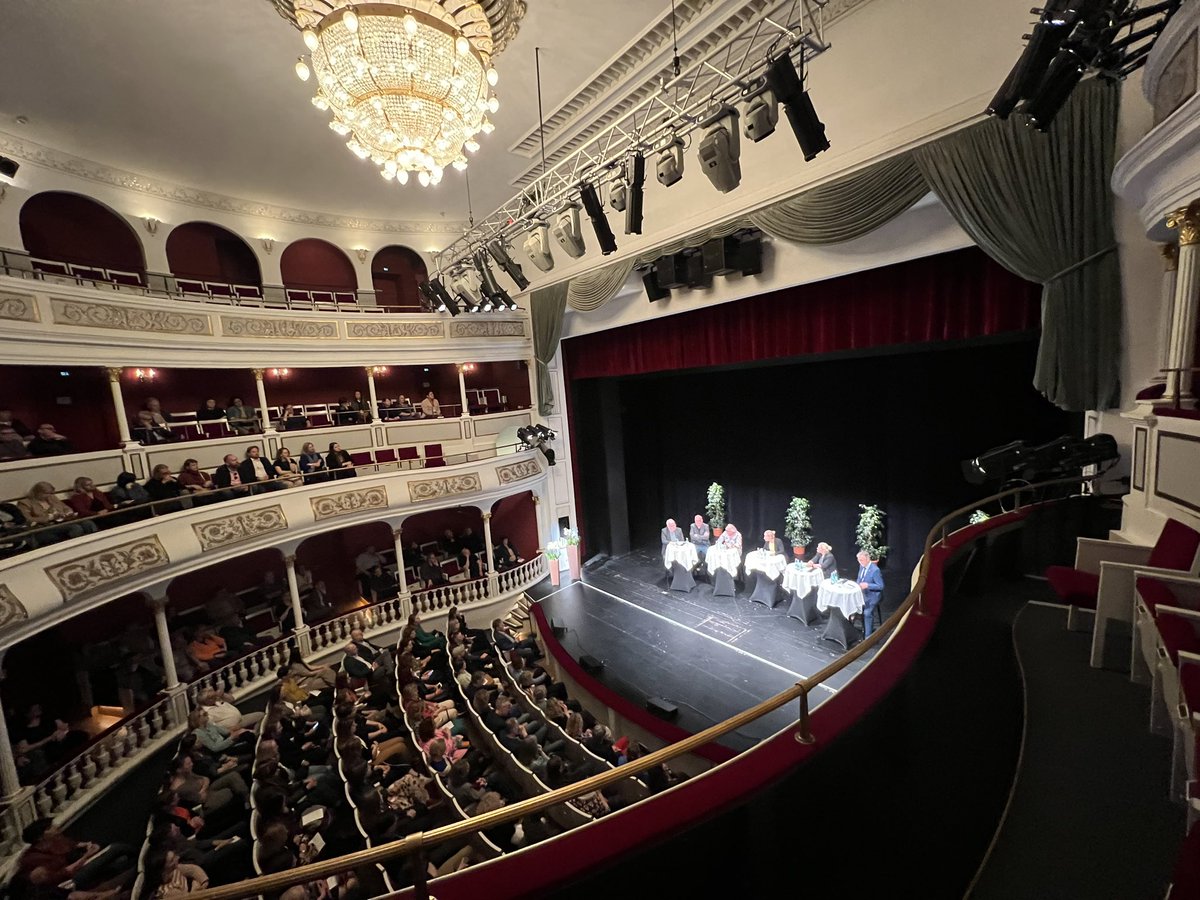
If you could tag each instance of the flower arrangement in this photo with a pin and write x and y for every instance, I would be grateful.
(554, 549)
(978, 517)
(715, 507)
(869, 533)
(570, 537)
(796, 522)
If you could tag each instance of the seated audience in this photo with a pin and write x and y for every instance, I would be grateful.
(11, 444)
(241, 418)
(312, 464)
(287, 470)
(471, 563)
(507, 556)
(89, 500)
(207, 646)
(431, 572)
(164, 486)
(367, 560)
(48, 442)
(145, 432)
(430, 408)
(228, 478)
(165, 876)
(12, 524)
(362, 406)
(256, 471)
(316, 604)
(211, 736)
(291, 419)
(53, 858)
(41, 507)
(128, 491)
(381, 584)
(156, 415)
(221, 711)
(193, 480)
(7, 421)
(209, 412)
(339, 463)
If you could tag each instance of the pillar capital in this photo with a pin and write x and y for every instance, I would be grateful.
(289, 559)
(258, 374)
(1170, 255)
(397, 533)
(158, 604)
(1187, 221)
(487, 516)
(536, 500)
(114, 374)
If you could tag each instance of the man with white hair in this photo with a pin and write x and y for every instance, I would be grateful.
(698, 532)
(670, 534)
(220, 709)
(730, 537)
(823, 560)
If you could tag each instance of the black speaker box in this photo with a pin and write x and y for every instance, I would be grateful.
(750, 255)
(590, 664)
(654, 291)
(696, 276)
(671, 271)
(721, 256)
(664, 709)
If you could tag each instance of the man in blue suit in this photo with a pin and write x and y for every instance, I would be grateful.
(870, 579)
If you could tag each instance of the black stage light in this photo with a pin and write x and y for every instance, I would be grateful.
(635, 174)
(445, 303)
(720, 149)
(8, 168)
(787, 86)
(721, 256)
(750, 253)
(670, 272)
(1064, 74)
(1053, 27)
(595, 211)
(996, 464)
(536, 436)
(654, 291)
(429, 300)
(495, 296)
(500, 254)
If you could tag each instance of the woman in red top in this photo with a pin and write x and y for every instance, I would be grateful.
(88, 500)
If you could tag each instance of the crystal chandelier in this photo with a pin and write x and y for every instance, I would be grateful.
(408, 83)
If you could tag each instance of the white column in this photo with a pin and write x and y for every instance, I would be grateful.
(493, 577)
(159, 607)
(267, 427)
(371, 393)
(114, 384)
(543, 531)
(289, 562)
(534, 414)
(401, 578)
(1187, 296)
(462, 392)
(1170, 255)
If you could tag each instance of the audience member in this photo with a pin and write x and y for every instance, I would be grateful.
(89, 500)
(507, 556)
(128, 491)
(221, 711)
(229, 478)
(41, 507)
(367, 560)
(209, 412)
(48, 442)
(287, 470)
(164, 486)
(7, 421)
(258, 472)
(431, 572)
(11, 444)
(312, 464)
(240, 417)
(193, 480)
(316, 604)
(339, 463)
(362, 406)
(53, 858)
(430, 408)
(145, 432)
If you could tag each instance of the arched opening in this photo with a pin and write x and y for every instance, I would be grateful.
(515, 517)
(395, 273)
(313, 266)
(73, 229)
(206, 252)
(332, 559)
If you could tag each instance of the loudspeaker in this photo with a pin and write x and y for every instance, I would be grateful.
(750, 255)
(557, 630)
(590, 664)
(696, 276)
(654, 291)
(671, 271)
(664, 709)
(721, 256)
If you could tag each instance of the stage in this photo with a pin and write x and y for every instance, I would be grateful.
(710, 656)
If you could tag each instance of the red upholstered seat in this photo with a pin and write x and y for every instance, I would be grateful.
(362, 458)
(433, 456)
(1185, 879)
(1177, 633)
(1074, 587)
(385, 455)
(1189, 686)
(1153, 592)
(407, 453)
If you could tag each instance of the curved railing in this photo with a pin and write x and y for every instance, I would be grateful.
(415, 844)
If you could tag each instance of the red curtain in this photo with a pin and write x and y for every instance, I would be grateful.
(948, 297)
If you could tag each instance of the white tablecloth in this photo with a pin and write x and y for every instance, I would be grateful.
(770, 564)
(681, 552)
(802, 579)
(845, 595)
(726, 558)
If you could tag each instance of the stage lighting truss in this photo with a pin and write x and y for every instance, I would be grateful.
(1073, 39)
(669, 105)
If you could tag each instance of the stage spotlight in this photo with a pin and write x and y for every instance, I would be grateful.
(720, 149)
(595, 211)
(635, 174)
(495, 297)
(429, 300)
(996, 464)
(8, 169)
(670, 163)
(566, 231)
(460, 288)
(1064, 74)
(618, 194)
(500, 254)
(445, 303)
(1058, 458)
(760, 113)
(808, 128)
(536, 436)
(1053, 27)
(537, 246)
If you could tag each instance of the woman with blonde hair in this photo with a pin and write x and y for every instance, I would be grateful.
(41, 507)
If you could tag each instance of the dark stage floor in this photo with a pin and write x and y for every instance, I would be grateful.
(712, 657)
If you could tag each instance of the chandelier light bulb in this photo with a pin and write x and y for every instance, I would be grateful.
(492, 75)
(487, 127)
(388, 175)
(302, 70)
(460, 164)
(320, 103)
(462, 45)
(493, 105)
(402, 176)
(423, 177)
(410, 24)
(471, 145)
(340, 127)
(350, 20)
(311, 41)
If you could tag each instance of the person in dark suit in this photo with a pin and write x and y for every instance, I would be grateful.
(870, 579)
(229, 475)
(823, 560)
(258, 472)
(670, 534)
(772, 544)
(698, 534)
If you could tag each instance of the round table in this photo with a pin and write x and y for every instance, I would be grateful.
(682, 552)
(844, 595)
(770, 564)
(727, 558)
(802, 579)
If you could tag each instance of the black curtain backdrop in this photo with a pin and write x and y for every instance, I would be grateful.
(889, 429)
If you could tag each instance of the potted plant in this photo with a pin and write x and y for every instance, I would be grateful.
(797, 525)
(554, 551)
(715, 508)
(869, 533)
(570, 537)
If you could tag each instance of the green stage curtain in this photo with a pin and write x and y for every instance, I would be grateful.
(546, 308)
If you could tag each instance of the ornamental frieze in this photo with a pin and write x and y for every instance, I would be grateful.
(12, 610)
(107, 567)
(278, 329)
(379, 330)
(127, 318)
(433, 488)
(486, 328)
(347, 502)
(234, 529)
(17, 307)
(518, 471)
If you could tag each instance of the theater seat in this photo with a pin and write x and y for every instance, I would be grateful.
(1178, 641)
(408, 457)
(433, 456)
(361, 459)
(1153, 591)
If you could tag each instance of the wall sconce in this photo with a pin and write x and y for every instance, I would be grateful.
(361, 253)
(280, 373)
(151, 224)
(466, 367)
(376, 371)
(144, 375)
(268, 244)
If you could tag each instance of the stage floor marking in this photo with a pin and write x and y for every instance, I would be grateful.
(707, 637)
(723, 628)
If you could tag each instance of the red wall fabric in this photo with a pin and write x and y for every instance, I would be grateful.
(74, 228)
(396, 271)
(208, 252)
(951, 296)
(312, 264)
(79, 403)
(510, 378)
(515, 517)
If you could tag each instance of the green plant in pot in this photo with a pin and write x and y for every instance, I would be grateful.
(797, 525)
(715, 508)
(869, 533)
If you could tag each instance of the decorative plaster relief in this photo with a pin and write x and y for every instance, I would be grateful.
(433, 488)
(378, 330)
(127, 318)
(234, 529)
(19, 307)
(12, 610)
(346, 502)
(1177, 82)
(487, 329)
(107, 567)
(518, 471)
(283, 329)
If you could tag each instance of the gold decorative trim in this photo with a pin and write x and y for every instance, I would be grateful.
(216, 533)
(346, 502)
(518, 471)
(18, 307)
(1187, 220)
(12, 610)
(486, 329)
(127, 318)
(389, 330)
(433, 488)
(107, 567)
(278, 329)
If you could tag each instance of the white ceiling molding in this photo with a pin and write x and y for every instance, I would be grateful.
(49, 158)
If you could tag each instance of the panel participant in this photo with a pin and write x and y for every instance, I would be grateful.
(698, 534)
(823, 560)
(870, 579)
(670, 534)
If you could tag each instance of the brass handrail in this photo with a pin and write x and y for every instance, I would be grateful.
(418, 841)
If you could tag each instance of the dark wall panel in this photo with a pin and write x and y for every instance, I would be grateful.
(74, 228)
(313, 264)
(209, 252)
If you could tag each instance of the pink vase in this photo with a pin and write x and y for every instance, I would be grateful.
(573, 561)
(555, 574)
